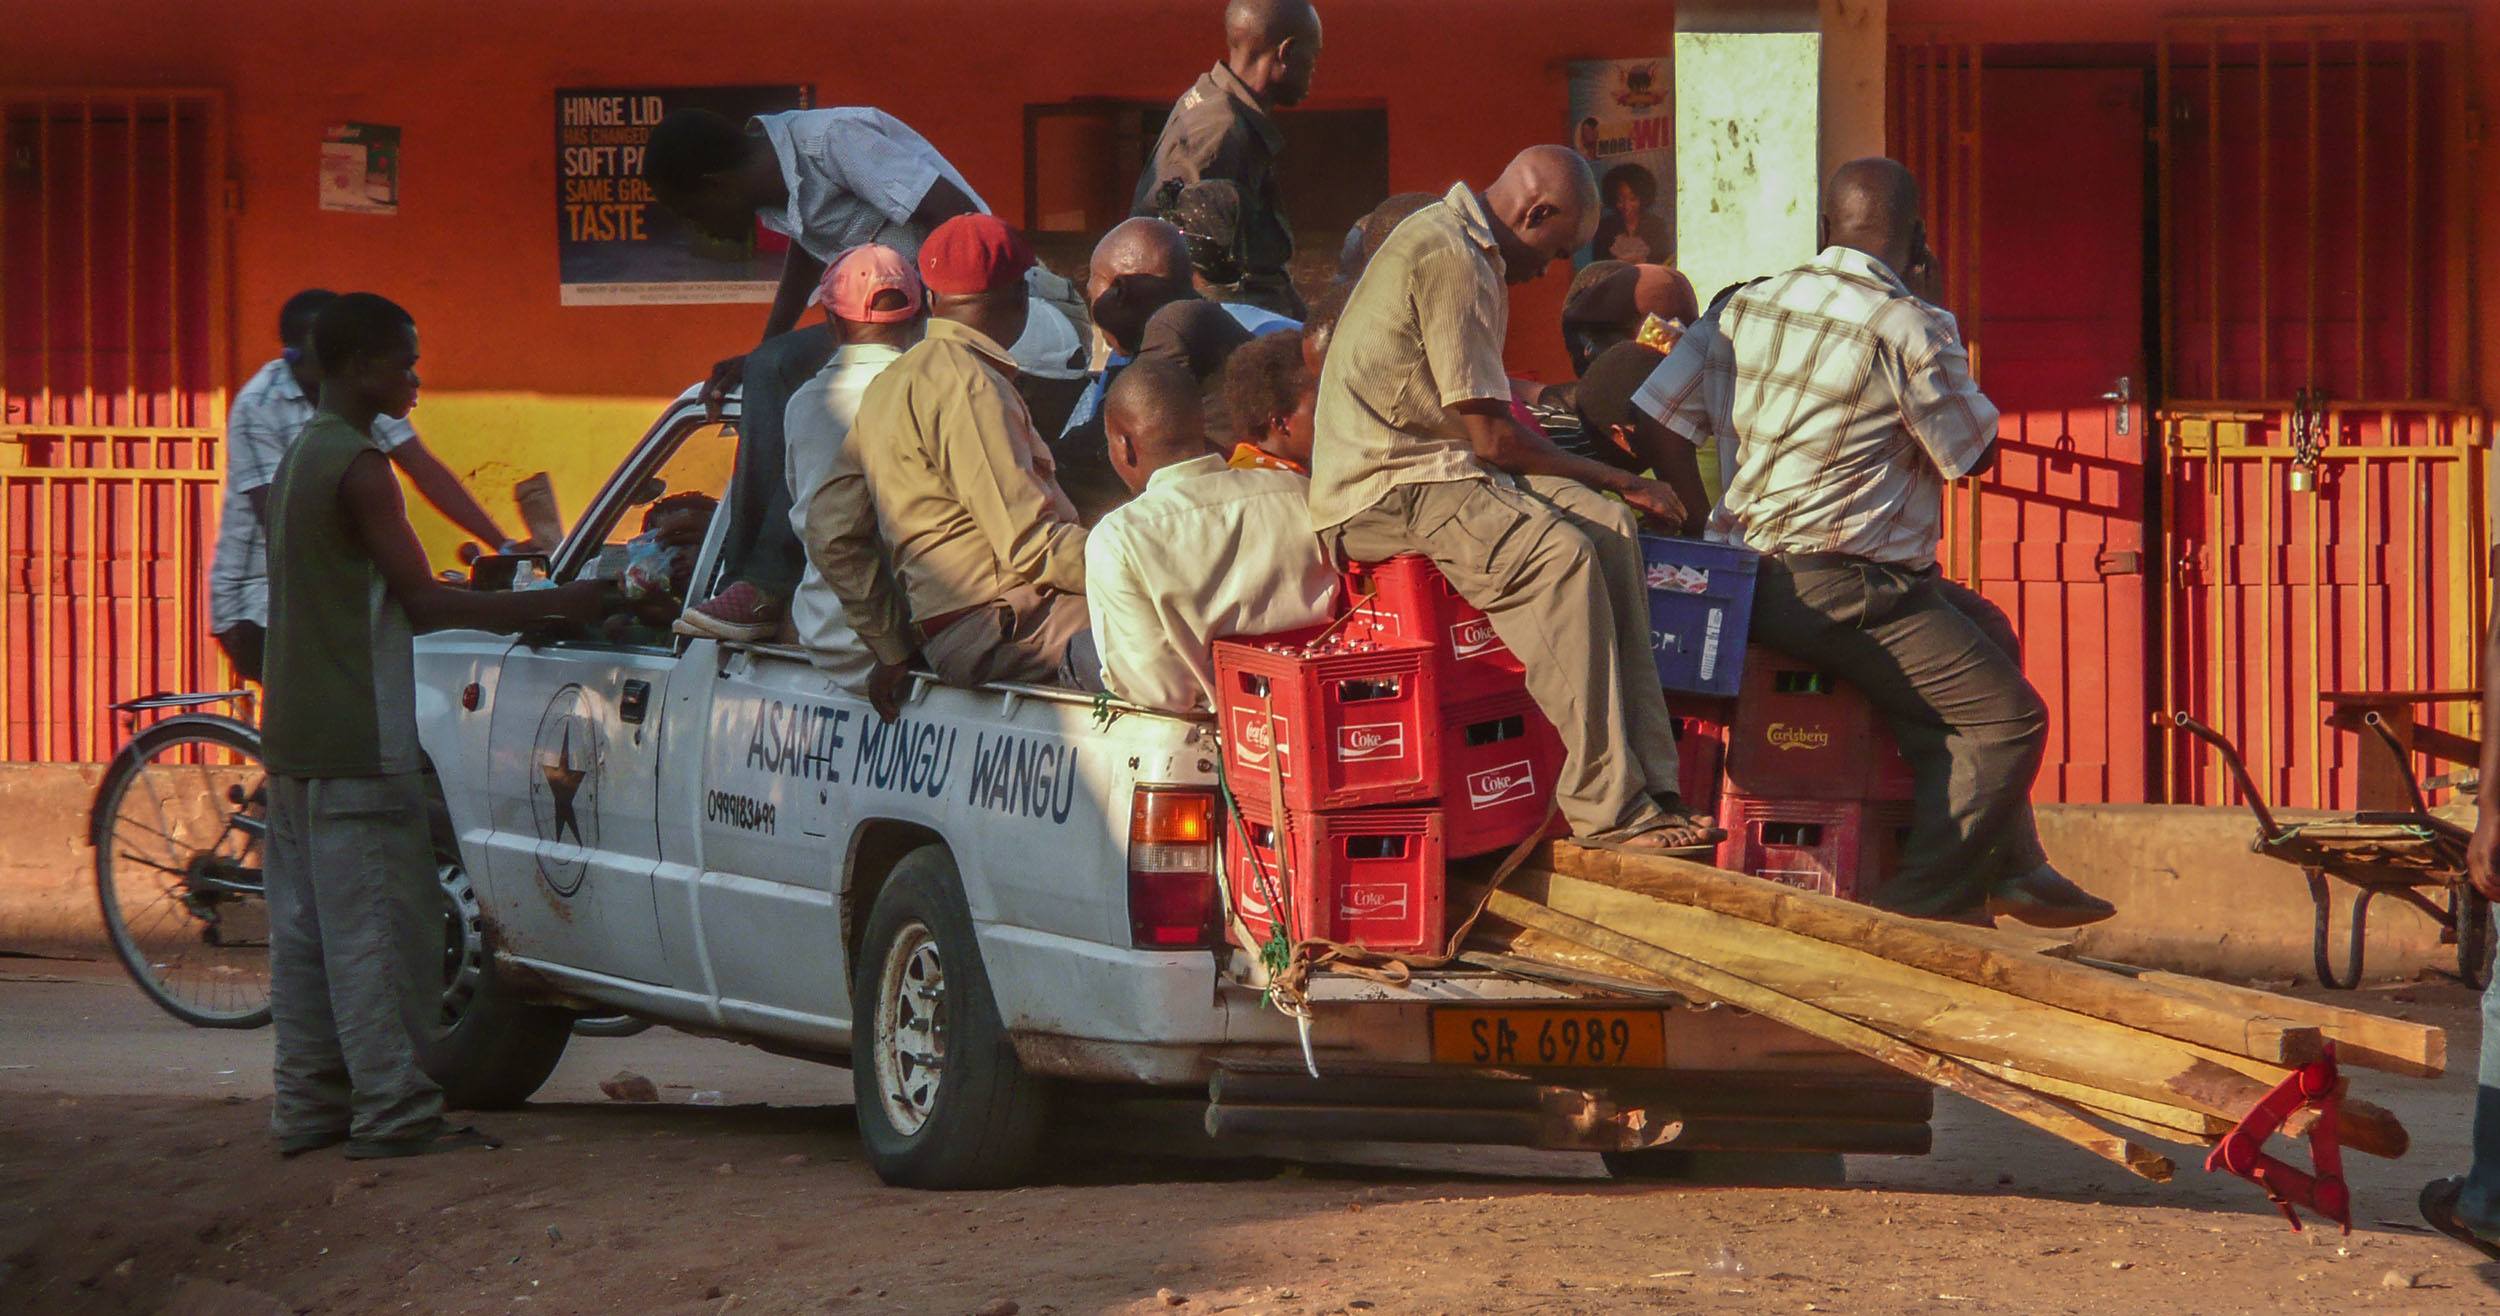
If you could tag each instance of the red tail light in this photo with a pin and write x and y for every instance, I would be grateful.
(1171, 869)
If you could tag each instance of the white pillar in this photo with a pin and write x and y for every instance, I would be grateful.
(1770, 95)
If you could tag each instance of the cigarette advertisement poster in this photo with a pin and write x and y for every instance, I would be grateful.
(1623, 121)
(615, 244)
(360, 168)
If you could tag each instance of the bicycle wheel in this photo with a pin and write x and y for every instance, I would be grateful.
(177, 825)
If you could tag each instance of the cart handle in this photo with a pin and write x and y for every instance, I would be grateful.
(2404, 761)
(2239, 771)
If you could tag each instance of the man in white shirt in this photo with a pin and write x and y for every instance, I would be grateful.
(1842, 401)
(875, 303)
(829, 180)
(1202, 552)
(268, 412)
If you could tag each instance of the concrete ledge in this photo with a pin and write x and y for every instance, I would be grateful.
(2190, 895)
(47, 870)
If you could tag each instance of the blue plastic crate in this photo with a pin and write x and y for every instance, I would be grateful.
(1700, 609)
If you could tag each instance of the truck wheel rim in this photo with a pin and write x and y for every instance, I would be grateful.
(464, 941)
(911, 1029)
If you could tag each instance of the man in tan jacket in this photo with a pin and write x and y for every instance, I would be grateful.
(986, 544)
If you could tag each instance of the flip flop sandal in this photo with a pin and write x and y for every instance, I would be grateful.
(2439, 1207)
(302, 1144)
(446, 1139)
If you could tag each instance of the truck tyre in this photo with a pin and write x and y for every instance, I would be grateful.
(488, 1049)
(943, 1102)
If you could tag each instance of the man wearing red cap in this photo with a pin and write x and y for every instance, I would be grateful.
(985, 543)
(875, 304)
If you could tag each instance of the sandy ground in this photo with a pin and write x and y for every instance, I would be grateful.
(135, 1176)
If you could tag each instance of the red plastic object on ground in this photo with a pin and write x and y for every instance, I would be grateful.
(1406, 598)
(1499, 761)
(2320, 1188)
(1355, 721)
(1700, 749)
(1372, 878)
(1802, 734)
(1844, 848)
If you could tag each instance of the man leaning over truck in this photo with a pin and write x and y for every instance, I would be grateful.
(355, 923)
(1844, 401)
(1420, 454)
(986, 544)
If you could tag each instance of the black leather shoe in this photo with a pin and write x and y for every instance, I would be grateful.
(2439, 1207)
(2044, 898)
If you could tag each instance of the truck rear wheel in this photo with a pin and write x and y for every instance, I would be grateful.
(943, 1101)
(488, 1050)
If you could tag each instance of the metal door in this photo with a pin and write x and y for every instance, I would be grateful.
(113, 365)
(2047, 166)
(2325, 495)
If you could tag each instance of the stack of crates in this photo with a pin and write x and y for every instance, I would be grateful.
(1817, 794)
(1395, 741)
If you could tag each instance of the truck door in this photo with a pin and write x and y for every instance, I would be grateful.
(578, 734)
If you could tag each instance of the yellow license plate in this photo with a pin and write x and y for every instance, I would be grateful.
(1536, 1037)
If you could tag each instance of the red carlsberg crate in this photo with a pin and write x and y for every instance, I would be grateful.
(1354, 720)
(1366, 877)
(1406, 598)
(1803, 734)
(1844, 848)
(1499, 760)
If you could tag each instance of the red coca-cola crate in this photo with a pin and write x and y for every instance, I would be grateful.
(1373, 878)
(1803, 734)
(1499, 761)
(1406, 598)
(1355, 720)
(1700, 749)
(1844, 848)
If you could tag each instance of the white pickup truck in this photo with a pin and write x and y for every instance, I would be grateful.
(979, 907)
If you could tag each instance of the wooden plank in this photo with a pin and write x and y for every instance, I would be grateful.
(2362, 1040)
(1945, 1014)
(2183, 1123)
(2040, 1112)
(1978, 956)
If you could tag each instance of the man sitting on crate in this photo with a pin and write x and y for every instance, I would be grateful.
(1419, 453)
(1855, 406)
(1204, 550)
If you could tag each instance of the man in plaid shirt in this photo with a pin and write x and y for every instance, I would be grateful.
(1843, 403)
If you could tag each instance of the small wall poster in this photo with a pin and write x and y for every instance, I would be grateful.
(1623, 120)
(360, 168)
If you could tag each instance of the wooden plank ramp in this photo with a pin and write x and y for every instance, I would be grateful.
(2088, 1052)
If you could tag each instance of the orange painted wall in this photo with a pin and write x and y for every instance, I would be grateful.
(472, 252)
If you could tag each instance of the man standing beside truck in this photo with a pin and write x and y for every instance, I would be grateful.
(1419, 453)
(355, 917)
(268, 413)
(1843, 402)
(986, 544)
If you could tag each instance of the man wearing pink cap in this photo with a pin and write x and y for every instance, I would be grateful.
(984, 541)
(874, 302)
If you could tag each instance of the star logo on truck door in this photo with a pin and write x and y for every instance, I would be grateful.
(566, 757)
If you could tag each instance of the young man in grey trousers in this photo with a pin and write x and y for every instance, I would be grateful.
(355, 945)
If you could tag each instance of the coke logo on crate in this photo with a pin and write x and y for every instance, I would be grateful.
(1473, 636)
(1785, 736)
(1375, 740)
(1372, 900)
(1251, 741)
(1511, 781)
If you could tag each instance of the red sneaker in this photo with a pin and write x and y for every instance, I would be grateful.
(740, 612)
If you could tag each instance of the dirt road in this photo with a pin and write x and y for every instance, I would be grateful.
(135, 1176)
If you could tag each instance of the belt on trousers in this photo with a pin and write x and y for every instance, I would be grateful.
(930, 629)
(1833, 561)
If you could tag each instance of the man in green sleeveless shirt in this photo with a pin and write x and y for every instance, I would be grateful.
(355, 942)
